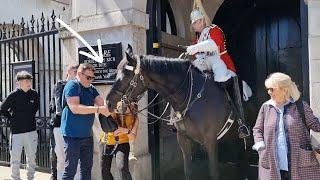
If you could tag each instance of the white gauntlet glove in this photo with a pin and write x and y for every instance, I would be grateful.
(204, 46)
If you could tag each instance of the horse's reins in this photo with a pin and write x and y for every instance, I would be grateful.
(133, 84)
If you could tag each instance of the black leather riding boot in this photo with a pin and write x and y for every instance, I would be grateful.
(232, 88)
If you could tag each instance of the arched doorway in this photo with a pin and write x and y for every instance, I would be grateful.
(162, 40)
(264, 37)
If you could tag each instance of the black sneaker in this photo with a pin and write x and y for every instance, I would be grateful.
(244, 131)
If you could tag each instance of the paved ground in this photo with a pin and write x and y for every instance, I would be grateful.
(5, 173)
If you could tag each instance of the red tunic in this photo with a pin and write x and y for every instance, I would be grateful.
(217, 35)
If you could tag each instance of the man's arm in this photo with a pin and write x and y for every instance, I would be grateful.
(102, 108)
(99, 100)
(58, 97)
(6, 105)
(77, 108)
(36, 103)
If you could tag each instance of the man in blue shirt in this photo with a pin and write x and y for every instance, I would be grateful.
(78, 100)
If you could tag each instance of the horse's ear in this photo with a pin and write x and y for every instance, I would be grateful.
(129, 53)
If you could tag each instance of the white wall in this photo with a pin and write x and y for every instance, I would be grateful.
(314, 59)
(16, 9)
(112, 21)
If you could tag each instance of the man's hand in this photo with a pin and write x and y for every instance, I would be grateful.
(104, 110)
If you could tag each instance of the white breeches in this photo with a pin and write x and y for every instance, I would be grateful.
(216, 65)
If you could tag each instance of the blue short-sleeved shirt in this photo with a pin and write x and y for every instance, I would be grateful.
(77, 125)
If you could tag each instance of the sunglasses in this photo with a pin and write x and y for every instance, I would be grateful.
(89, 78)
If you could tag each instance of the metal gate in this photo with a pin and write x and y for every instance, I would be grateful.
(34, 46)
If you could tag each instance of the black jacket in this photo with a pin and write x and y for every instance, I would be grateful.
(56, 104)
(21, 107)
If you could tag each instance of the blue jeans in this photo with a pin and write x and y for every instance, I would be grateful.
(78, 149)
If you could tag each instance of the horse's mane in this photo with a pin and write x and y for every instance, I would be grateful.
(164, 64)
(160, 64)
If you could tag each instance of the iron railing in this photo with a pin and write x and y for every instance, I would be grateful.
(34, 42)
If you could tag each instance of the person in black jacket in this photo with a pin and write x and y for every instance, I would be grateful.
(56, 139)
(20, 107)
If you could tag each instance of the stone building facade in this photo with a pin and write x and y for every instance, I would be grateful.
(127, 21)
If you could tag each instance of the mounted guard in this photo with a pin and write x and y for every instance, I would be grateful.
(210, 54)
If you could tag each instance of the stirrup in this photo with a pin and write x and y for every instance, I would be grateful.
(243, 131)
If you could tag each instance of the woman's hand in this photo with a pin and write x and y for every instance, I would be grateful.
(259, 146)
(120, 130)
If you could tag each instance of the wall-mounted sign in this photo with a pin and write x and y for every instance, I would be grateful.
(105, 72)
(27, 65)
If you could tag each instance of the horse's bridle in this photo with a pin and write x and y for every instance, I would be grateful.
(126, 97)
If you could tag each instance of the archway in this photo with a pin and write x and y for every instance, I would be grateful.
(264, 37)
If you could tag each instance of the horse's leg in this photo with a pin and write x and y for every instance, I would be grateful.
(186, 148)
(212, 151)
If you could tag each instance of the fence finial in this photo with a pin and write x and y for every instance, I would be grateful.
(32, 24)
(4, 30)
(42, 22)
(22, 28)
(53, 17)
(13, 30)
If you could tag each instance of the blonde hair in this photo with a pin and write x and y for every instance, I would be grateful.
(283, 81)
(71, 67)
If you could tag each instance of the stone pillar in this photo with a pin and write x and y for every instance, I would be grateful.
(314, 60)
(112, 21)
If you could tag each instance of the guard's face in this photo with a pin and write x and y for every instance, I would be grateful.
(25, 84)
(198, 25)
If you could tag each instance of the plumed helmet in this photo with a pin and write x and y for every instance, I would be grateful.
(198, 12)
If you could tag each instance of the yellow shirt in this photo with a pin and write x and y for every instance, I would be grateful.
(109, 138)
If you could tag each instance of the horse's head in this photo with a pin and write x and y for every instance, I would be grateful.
(129, 84)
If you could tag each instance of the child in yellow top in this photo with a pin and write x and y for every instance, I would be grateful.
(117, 143)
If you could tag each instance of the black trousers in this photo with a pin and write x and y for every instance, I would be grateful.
(121, 155)
(53, 156)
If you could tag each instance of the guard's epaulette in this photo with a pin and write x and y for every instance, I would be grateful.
(215, 26)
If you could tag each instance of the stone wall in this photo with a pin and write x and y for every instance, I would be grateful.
(16, 9)
(112, 21)
(314, 60)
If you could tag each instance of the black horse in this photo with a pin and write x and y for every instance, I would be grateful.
(198, 101)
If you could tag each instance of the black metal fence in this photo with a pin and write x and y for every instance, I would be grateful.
(34, 46)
